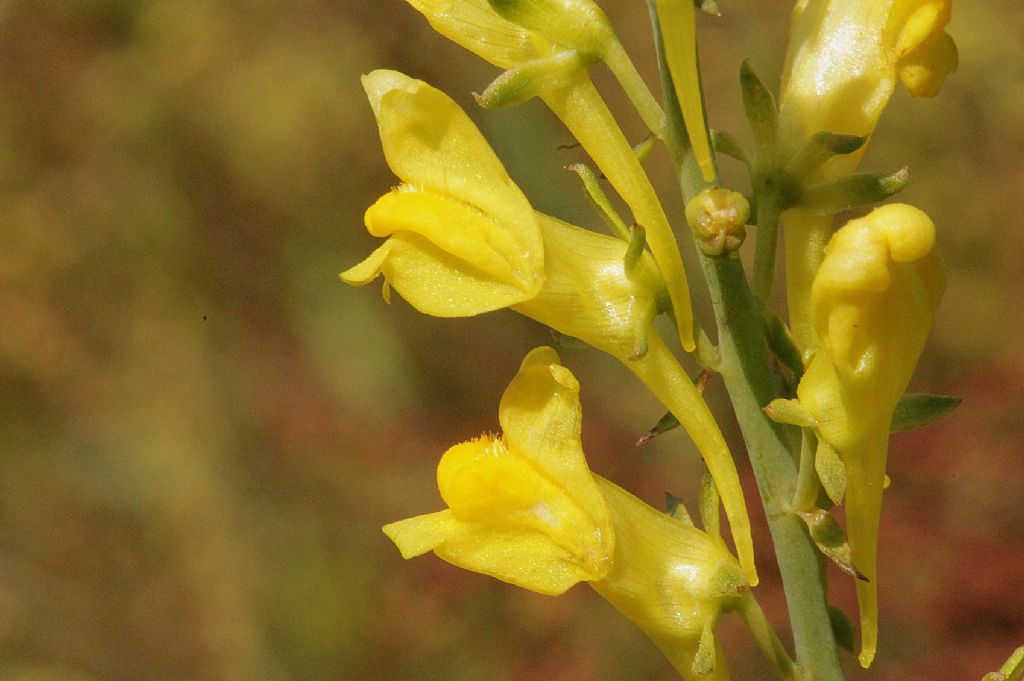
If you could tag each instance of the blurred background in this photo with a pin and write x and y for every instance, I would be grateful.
(202, 430)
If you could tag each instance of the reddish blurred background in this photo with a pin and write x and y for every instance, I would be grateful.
(202, 430)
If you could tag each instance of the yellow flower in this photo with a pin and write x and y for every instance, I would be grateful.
(525, 508)
(845, 57)
(873, 301)
(463, 238)
(594, 287)
(522, 507)
(547, 47)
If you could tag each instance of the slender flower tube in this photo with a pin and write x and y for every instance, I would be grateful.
(525, 508)
(844, 59)
(678, 24)
(873, 301)
(453, 257)
(543, 60)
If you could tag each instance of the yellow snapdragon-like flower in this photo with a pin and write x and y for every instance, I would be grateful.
(845, 57)
(600, 289)
(546, 47)
(463, 238)
(522, 507)
(525, 508)
(873, 301)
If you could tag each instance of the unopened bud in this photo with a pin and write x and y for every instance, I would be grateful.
(718, 217)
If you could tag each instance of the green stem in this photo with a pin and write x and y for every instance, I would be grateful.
(636, 89)
(748, 377)
(767, 242)
(751, 383)
(766, 638)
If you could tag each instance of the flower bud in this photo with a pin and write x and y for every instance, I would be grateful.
(844, 59)
(718, 218)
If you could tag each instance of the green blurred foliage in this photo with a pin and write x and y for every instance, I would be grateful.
(202, 429)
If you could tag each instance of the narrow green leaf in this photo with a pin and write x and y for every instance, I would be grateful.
(675, 508)
(708, 6)
(919, 409)
(599, 200)
(820, 148)
(790, 412)
(704, 660)
(842, 627)
(665, 423)
(780, 340)
(725, 143)
(525, 81)
(762, 114)
(1012, 669)
(858, 189)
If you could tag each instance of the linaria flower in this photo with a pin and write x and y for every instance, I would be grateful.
(525, 508)
(873, 301)
(532, 40)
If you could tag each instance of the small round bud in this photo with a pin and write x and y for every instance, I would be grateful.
(718, 217)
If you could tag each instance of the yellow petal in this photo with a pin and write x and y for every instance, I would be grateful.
(457, 229)
(679, 32)
(525, 559)
(431, 280)
(415, 536)
(433, 146)
(541, 417)
(838, 75)
(924, 69)
(912, 22)
(843, 61)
